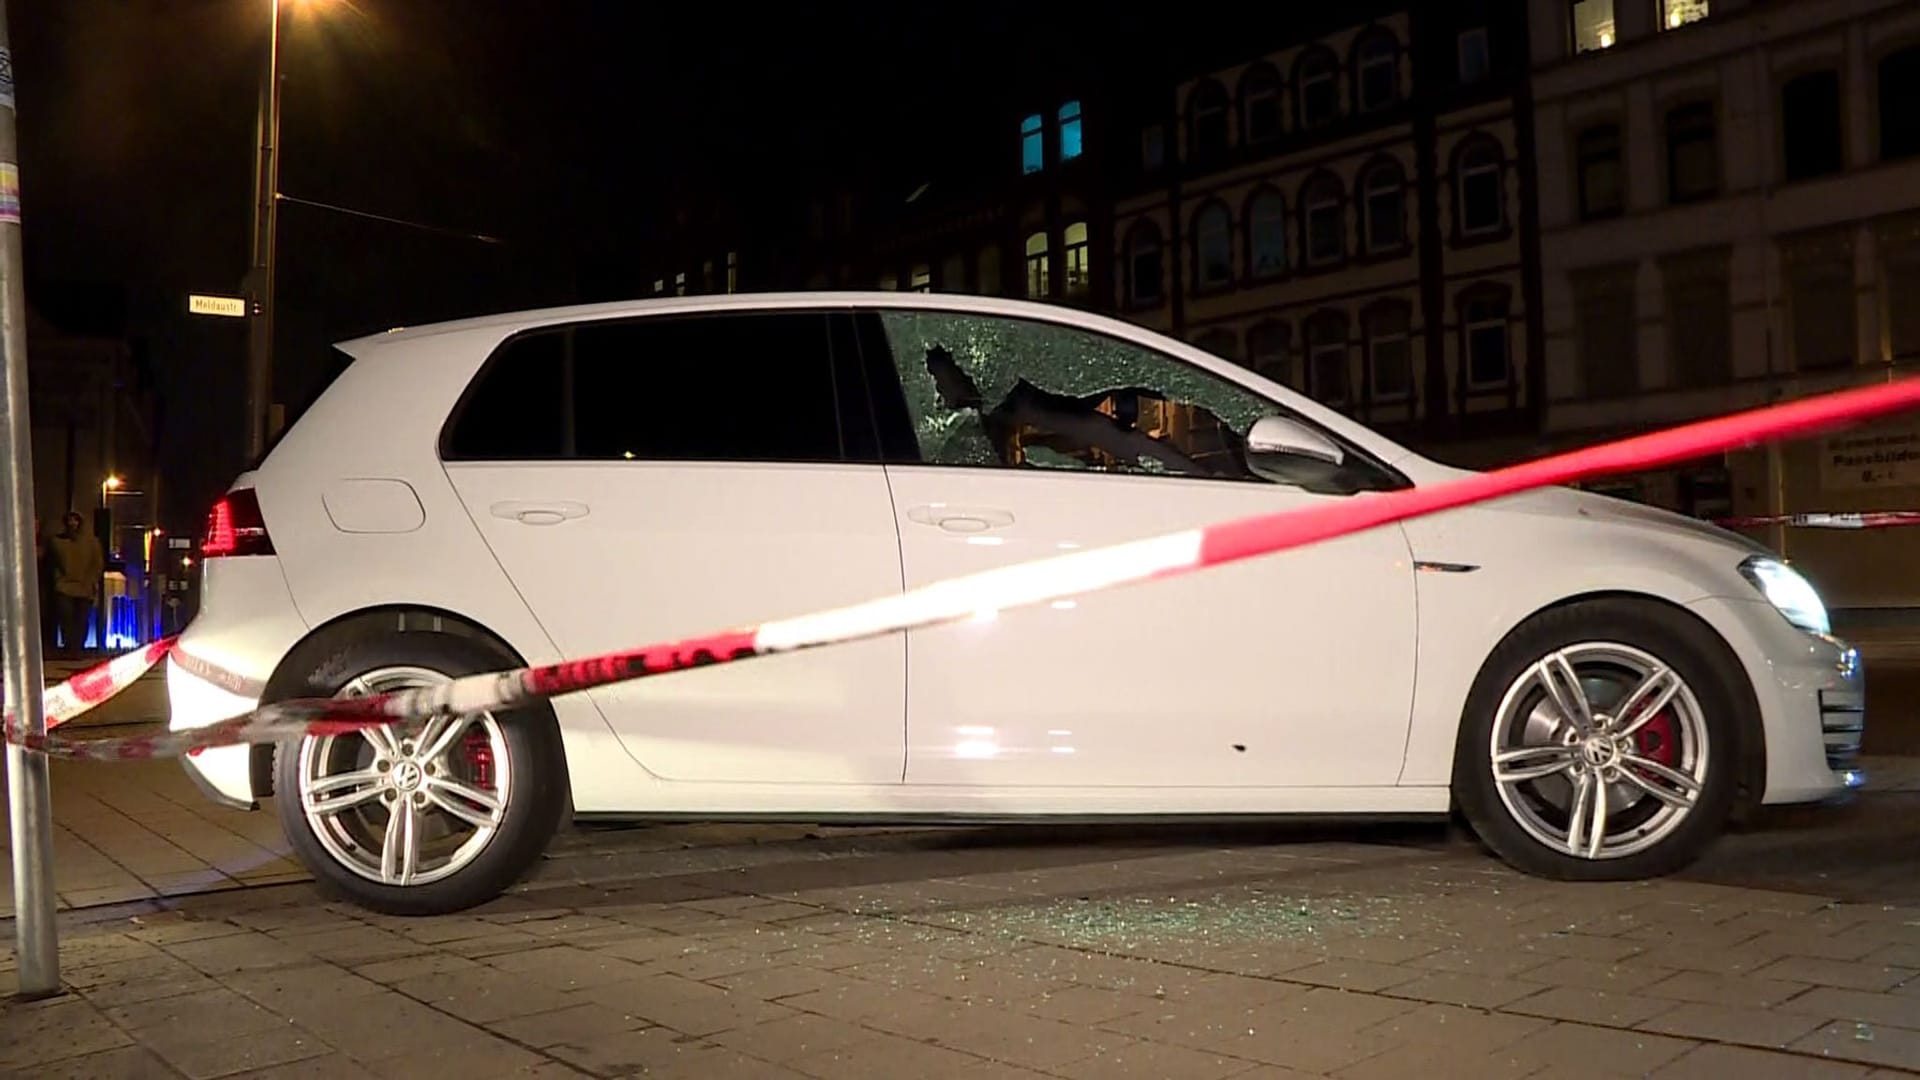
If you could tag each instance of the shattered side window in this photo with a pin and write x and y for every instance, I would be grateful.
(1024, 394)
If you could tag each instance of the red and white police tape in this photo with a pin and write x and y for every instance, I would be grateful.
(1873, 519)
(959, 598)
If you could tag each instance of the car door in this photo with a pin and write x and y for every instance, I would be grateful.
(1017, 439)
(697, 479)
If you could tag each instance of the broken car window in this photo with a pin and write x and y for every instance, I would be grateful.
(1015, 393)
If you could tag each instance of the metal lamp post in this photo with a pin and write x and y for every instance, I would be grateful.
(266, 220)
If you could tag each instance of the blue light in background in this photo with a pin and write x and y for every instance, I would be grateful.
(1069, 131)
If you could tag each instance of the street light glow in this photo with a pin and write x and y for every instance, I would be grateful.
(112, 483)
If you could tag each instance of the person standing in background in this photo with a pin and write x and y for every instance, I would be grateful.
(78, 563)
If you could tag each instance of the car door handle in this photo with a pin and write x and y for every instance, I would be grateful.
(960, 519)
(539, 513)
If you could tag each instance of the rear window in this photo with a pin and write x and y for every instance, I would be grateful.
(517, 408)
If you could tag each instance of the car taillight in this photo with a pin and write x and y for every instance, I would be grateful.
(235, 527)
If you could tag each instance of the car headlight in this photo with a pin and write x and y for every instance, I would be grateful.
(1790, 593)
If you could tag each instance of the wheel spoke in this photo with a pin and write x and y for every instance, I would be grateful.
(380, 737)
(1562, 683)
(1586, 816)
(477, 808)
(1689, 788)
(332, 794)
(1653, 694)
(1531, 763)
(400, 851)
(439, 734)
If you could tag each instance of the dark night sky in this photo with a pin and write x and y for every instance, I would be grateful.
(555, 125)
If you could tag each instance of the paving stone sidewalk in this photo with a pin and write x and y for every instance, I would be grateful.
(997, 954)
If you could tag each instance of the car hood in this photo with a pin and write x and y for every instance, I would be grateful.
(1568, 502)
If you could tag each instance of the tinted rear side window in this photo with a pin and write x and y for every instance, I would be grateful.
(713, 388)
(517, 411)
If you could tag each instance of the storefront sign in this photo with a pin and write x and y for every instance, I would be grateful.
(1871, 459)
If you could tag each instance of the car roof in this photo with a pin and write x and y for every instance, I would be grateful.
(509, 322)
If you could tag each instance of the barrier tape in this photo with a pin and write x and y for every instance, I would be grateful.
(959, 598)
(1878, 519)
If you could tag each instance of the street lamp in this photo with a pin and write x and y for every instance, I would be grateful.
(108, 486)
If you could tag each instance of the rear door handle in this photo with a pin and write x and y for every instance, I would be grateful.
(960, 519)
(539, 513)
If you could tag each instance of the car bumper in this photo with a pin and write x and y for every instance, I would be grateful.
(221, 665)
(1812, 692)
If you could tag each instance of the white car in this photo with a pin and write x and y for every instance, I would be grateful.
(1595, 685)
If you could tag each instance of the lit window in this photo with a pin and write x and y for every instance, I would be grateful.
(1592, 25)
(1476, 59)
(1318, 87)
(1383, 207)
(890, 282)
(921, 278)
(1679, 13)
(1267, 233)
(953, 273)
(1379, 73)
(1145, 264)
(1213, 246)
(706, 276)
(659, 286)
(1479, 177)
(1039, 278)
(1070, 131)
(733, 271)
(1033, 156)
(1078, 260)
(680, 283)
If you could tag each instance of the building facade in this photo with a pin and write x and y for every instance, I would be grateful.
(1730, 215)
(1350, 213)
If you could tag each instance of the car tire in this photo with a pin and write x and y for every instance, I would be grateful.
(339, 797)
(1669, 775)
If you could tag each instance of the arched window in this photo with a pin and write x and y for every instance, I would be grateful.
(1327, 357)
(1376, 70)
(1388, 325)
(1266, 233)
(1207, 121)
(1383, 206)
(1033, 144)
(1221, 343)
(1899, 89)
(1485, 341)
(1079, 262)
(1212, 246)
(1479, 183)
(1269, 347)
(1260, 103)
(1070, 145)
(1324, 217)
(1039, 277)
(1145, 264)
(1316, 87)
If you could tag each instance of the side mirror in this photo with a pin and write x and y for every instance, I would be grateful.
(1277, 439)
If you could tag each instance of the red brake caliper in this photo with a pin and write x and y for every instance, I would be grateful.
(1655, 740)
(479, 751)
